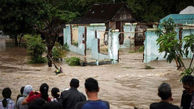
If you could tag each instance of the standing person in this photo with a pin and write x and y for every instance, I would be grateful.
(21, 93)
(70, 97)
(26, 92)
(35, 95)
(7, 102)
(164, 92)
(93, 102)
(186, 98)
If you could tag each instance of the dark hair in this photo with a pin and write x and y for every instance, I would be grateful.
(22, 90)
(91, 85)
(188, 80)
(74, 83)
(164, 91)
(44, 91)
(54, 92)
(21, 93)
(6, 94)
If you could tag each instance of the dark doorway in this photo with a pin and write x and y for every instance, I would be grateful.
(121, 36)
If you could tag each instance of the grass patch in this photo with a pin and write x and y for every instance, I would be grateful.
(149, 67)
(73, 61)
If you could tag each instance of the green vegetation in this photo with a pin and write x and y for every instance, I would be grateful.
(48, 17)
(148, 67)
(172, 47)
(57, 52)
(73, 61)
(35, 48)
(141, 49)
(66, 47)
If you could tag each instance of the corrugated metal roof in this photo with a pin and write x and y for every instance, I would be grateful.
(180, 18)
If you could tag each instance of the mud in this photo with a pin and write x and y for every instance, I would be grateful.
(124, 85)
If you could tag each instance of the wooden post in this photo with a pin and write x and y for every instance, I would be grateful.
(71, 34)
(85, 41)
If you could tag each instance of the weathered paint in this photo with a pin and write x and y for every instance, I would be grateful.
(151, 48)
(129, 34)
(151, 51)
(91, 33)
(67, 39)
(94, 34)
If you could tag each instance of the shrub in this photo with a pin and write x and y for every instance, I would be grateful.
(57, 52)
(35, 48)
(66, 47)
(73, 61)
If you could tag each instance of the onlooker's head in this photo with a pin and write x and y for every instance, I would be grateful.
(27, 90)
(74, 83)
(6, 94)
(44, 91)
(91, 85)
(188, 83)
(55, 92)
(164, 91)
(22, 90)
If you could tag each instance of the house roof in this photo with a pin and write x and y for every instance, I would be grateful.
(188, 10)
(180, 18)
(102, 13)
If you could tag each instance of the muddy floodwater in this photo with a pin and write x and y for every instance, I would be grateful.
(124, 85)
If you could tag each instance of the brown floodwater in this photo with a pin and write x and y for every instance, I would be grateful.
(124, 85)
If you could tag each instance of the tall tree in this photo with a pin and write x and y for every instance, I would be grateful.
(18, 16)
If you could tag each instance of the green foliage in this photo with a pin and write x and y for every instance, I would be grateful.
(169, 43)
(141, 49)
(73, 61)
(66, 47)
(148, 67)
(189, 43)
(35, 48)
(57, 52)
(154, 10)
(187, 71)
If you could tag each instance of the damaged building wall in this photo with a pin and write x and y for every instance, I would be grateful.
(80, 49)
(100, 28)
(151, 51)
(94, 35)
(129, 34)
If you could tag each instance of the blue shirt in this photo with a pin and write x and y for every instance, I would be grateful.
(99, 104)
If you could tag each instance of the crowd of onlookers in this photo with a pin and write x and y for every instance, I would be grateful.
(74, 99)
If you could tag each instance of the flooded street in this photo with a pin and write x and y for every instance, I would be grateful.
(124, 85)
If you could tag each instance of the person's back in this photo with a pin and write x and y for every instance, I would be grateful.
(26, 92)
(186, 98)
(69, 98)
(7, 102)
(163, 105)
(97, 104)
(164, 92)
(93, 102)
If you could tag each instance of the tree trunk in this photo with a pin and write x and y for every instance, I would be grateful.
(16, 41)
(21, 36)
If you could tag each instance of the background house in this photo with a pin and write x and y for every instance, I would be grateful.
(113, 15)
